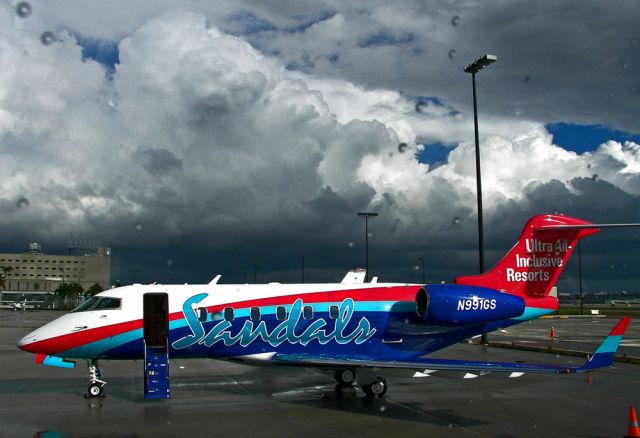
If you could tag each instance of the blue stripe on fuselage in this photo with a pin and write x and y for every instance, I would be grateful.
(408, 325)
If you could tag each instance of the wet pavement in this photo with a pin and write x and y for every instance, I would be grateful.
(219, 398)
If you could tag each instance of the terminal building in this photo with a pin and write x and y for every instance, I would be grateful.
(34, 275)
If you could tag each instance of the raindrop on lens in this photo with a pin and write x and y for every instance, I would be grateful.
(402, 147)
(456, 220)
(452, 53)
(22, 202)
(23, 9)
(455, 20)
(47, 38)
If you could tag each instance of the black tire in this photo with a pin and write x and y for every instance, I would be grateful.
(95, 390)
(376, 389)
(345, 376)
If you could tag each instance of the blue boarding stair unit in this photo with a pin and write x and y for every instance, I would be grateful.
(156, 346)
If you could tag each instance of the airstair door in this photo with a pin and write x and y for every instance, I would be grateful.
(156, 348)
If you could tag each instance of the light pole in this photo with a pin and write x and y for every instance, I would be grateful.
(474, 68)
(422, 261)
(63, 275)
(580, 276)
(133, 274)
(255, 269)
(302, 265)
(366, 217)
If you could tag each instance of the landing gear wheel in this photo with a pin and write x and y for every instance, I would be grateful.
(345, 376)
(96, 384)
(95, 390)
(376, 389)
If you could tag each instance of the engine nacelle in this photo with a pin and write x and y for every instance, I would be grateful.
(461, 304)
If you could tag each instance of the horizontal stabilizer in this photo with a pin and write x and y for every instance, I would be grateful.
(583, 227)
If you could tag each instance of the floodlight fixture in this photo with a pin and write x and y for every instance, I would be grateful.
(480, 63)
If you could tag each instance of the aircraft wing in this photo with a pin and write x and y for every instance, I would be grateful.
(603, 357)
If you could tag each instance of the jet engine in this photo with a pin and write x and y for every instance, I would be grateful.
(461, 304)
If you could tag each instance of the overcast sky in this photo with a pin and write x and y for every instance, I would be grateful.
(193, 135)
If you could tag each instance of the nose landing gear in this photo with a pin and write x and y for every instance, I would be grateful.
(96, 384)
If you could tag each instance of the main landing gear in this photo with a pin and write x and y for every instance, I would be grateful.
(345, 376)
(96, 384)
(373, 386)
(377, 388)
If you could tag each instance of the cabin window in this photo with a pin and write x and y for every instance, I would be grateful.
(202, 314)
(307, 312)
(281, 313)
(333, 312)
(228, 313)
(255, 314)
(99, 303)
(108, 303)
(86, 305)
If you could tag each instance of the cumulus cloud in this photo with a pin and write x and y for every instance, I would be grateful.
(198, 141)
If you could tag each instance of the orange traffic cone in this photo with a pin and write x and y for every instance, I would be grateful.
(634, 430)
(552, 334)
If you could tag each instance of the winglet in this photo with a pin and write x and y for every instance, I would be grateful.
(603, 357)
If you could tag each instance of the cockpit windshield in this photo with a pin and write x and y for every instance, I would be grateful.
(98, 303)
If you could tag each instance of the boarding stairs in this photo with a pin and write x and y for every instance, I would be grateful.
(156, 372)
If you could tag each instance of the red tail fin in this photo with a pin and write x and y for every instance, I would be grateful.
(534, 264)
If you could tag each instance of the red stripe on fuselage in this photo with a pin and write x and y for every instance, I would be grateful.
(547, 302)
(393, 293)
(77, 339)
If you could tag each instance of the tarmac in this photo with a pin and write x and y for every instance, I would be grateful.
(219, 398)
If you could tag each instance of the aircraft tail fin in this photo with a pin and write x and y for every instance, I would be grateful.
(531, 268)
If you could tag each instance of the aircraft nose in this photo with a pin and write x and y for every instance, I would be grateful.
(26, 343)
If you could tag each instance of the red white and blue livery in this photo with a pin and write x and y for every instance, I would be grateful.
(355, 329)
